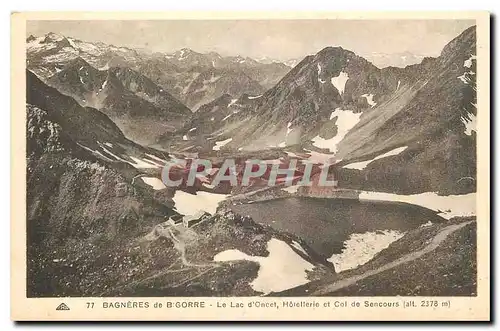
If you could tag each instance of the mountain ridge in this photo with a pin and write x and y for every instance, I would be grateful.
(341, 106)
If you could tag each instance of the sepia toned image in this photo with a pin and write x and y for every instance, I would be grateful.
(273, 158)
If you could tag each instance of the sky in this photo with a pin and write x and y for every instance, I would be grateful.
(277, 39)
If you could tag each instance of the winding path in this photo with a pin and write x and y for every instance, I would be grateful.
(435, 242)
(181, 247)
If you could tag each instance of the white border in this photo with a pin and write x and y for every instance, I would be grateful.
(98, 5)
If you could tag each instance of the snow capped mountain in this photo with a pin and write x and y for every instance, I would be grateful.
(186, 58)
(47, 54)
(292, 62)
(177, 72)
(268, 60)
(400, 60)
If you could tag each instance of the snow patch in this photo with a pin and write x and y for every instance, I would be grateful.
(206, 201)
(113, 155)
(468, 62)
(154, 182)
(219, 144)
(65, 54)
(225, 118)
(72, 43)
(399, 83)
(185, 137)
(233, 101)
(95, 152)
(463, 78)
(319, 74)
(317, 157)
(470, 124)
(447, 206)
(288, 130)
(362, 247)
(340, 81)
(363, 164)
(369, 99)
(292, 154)
(192, 129)
(142, 164)
(156, 158)
(282, 269)
(292, 189)
(346, 120)
(299, 247)
(255, 97)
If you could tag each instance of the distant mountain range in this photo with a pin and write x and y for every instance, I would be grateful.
(400, 60)
(175, 72)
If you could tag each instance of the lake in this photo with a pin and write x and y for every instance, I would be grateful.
(325, 224)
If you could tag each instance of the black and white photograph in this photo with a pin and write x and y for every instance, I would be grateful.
(264, 158)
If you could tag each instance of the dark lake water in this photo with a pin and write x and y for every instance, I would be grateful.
(326, 223)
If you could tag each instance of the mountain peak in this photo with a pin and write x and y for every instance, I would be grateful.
(181, 53)
(78, 62)
(185, 51)
(334, 51)
(53, 36)
(467, 39)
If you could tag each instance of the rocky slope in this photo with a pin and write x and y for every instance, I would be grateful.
(97, 228)
(435, 117)
(213, 83)
(142, 109)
